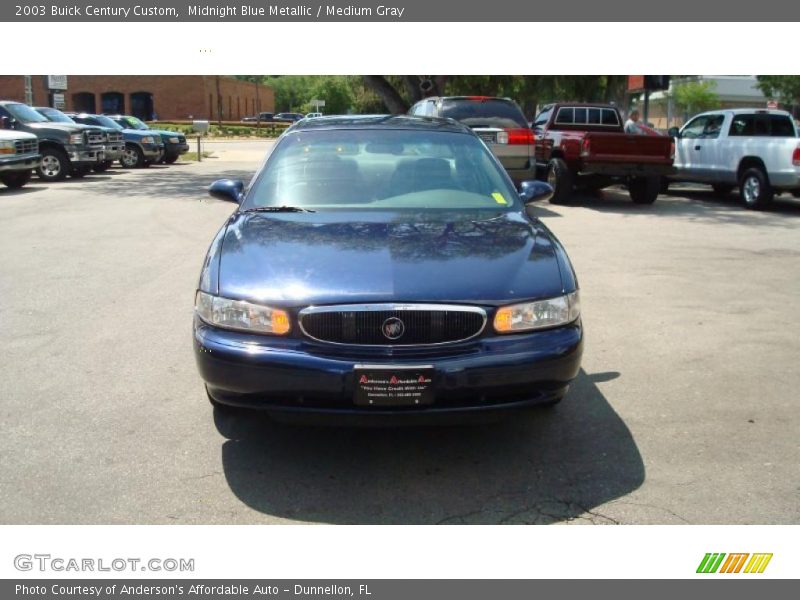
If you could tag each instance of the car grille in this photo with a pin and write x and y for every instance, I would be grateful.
(26, 146)
(113, 137)
(94, 136)
(489, 137)
(422, 324)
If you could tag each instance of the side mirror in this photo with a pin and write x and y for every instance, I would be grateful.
(227, 189)
(7, 123)
(533, 191)
(674, 132)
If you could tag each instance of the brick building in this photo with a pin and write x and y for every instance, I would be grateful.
(213, 97)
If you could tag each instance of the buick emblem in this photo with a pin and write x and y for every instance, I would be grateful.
(393, 328)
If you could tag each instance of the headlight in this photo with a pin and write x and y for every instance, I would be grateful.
(173, 140)
(148, 139)
(76, 138)
(7, 147)
(538, 315)
(241, 315)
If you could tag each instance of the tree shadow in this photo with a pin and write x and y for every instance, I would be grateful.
(166, 182)
(695, 203)
(541, 466)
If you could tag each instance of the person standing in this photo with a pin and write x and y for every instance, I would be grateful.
(632, 124)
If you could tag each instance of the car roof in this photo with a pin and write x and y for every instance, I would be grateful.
(579, 105)
(380, 122)
(746, 111)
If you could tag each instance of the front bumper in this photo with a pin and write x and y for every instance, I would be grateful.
(295, 375)
(83, 155)
(114, 150)
(22, 162)
(152, 152)
(176, 149)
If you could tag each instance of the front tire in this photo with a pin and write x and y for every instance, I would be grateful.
(103, 166)
(644, 190)
(560, 179)
(55, 165)
(16, 180)
(132, 157)
(755, 189)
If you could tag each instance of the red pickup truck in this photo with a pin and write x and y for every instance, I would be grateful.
(585, 145)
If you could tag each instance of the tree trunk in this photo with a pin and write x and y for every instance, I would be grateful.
(390, 97)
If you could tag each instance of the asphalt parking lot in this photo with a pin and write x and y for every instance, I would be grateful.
(686, 409)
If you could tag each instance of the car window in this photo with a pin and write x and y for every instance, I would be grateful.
(610, 117)
(704, 126)
(565, 116)
(543, 117)
(484, 112)
(55, 115)
(781, 126)
(25, 114)
(593, 115)
(382, 169)
(580, 116)
(762, 125)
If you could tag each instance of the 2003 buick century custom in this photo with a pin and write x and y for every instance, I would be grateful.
(386, 266)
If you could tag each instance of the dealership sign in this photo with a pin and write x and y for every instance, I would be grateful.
(56, 82)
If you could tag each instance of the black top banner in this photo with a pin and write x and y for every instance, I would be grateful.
(400, 11)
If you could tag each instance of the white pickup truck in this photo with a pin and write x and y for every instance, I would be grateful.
(756, 150)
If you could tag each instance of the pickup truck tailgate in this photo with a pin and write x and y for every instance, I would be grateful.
(612, 148)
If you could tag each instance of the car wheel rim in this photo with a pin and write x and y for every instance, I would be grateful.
(752, 189)
(129, 158)
(551, 177)
(51, 166)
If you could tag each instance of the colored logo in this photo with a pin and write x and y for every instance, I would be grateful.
(393, 328)
(741, 562)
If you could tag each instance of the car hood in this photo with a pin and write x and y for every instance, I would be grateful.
(138, 133)
(68, 127)
(164, 133)
(300, 259)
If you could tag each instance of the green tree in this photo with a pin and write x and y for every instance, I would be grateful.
(334, 90)
(695, 96)
(785, 88)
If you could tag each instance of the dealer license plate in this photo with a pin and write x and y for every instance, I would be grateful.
(393, 385)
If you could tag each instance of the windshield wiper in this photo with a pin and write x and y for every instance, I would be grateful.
(277, 209)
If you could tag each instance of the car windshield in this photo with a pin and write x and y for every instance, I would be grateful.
(55, 115)
(362, 169)
(131, 123)
(106, 121)
(25, 114)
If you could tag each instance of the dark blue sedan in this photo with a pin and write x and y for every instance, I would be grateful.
(385, 266)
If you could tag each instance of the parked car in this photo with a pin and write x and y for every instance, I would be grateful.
(289, 117)
(313, 115)
(584, 144)
(174, 143)
(499, 122)
(113, 145)
(141, 148)
(756, 150)
(385, 265)
(19, 155)
(66, 149)
(264, 117)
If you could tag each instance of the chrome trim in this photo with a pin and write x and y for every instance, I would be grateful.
(400, 306)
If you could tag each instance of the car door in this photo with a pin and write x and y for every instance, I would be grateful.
(697, 148)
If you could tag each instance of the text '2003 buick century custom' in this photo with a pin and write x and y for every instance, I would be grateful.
(385, 266)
